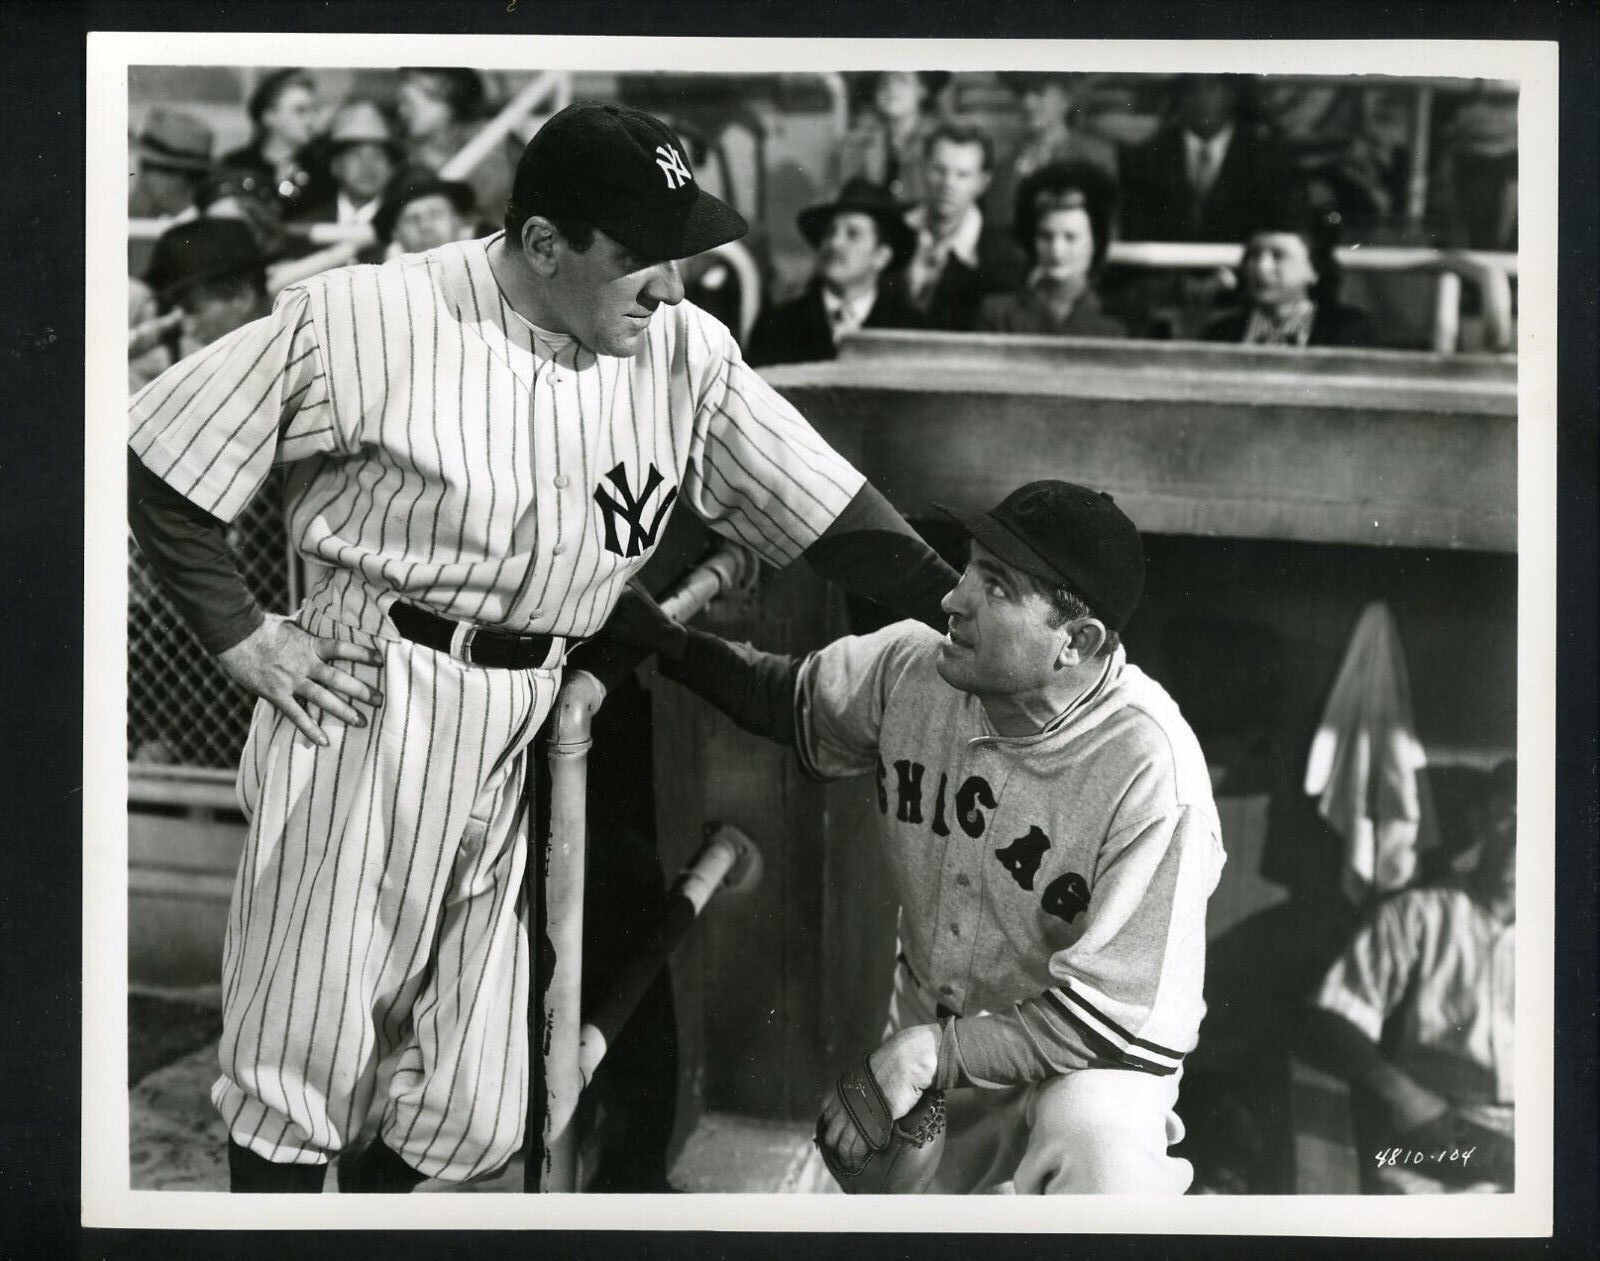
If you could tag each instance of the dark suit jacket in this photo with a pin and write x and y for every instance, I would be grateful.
(1020, 312)
(797, 331)
(1256, 185)
(1331, 325)
(954, 300)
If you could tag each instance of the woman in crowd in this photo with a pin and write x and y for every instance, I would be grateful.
(1063, 217)
(885, 146)
(1289, 280)
(283, 119)
(441, 108)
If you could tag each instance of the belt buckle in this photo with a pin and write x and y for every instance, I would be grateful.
(461, 641)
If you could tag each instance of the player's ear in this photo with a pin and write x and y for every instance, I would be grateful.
(539, 243)
(1083, 641)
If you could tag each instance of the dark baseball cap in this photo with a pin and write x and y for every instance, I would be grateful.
(1068, 534)
(627, 173)
(200, 251)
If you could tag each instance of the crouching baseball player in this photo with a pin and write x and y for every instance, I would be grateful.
(485, 441)
(1048, 819)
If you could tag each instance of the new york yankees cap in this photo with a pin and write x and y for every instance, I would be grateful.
(1069, 534)
(627, 173)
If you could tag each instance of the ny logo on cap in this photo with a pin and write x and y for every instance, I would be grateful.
(671, 164)
(631, 509)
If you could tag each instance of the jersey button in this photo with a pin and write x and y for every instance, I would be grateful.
(962, 880)
(558, 549)
(955, 930)
(945, 989)
(560, 481)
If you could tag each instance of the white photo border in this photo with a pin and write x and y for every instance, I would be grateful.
(107, 1199)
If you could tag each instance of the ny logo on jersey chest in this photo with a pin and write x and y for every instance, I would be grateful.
(630, 508)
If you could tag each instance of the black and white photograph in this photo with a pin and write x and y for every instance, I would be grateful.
(805, 618)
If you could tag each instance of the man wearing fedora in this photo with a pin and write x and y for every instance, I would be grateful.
(171, 156)
(206, 278)
(363, 156)
(173, 152)
(860, 238)
(421, 212)
(1048, 823)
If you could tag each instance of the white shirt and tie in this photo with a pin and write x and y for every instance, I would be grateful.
(927, 264)
(845, 315)
(1203, 158)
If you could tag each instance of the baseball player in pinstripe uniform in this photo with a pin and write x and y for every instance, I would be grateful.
(484, 443)
(1048, 820)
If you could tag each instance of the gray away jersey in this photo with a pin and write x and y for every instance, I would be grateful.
(1052, 887)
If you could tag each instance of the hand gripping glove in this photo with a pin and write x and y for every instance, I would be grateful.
(901, 1155)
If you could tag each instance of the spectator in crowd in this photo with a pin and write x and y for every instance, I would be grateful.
(1051, 133)
(1211, 173)
(363, 156)
(441, 110)
(423, 212)
(207, 277)
(171, 156)
(1473, 193)
(173, 153)
(1418, 1013)
(888, 143)
(960, 258)
(860, 237)
(283, 119)
(1289, 280)
(1063, 220)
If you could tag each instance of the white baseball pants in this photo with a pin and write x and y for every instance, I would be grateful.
(379, 917)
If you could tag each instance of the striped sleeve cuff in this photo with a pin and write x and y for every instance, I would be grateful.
(1108, 1039)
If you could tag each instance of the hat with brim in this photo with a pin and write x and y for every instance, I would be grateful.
(409, 190)
(1066, 535)
(202, 251)
(174, 141)
(863, 197)
(361, 122)
(627, 173)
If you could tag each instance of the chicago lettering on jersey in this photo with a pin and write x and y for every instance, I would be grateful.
(1065, 897)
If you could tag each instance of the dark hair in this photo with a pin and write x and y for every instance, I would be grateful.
(1068, 604)
(577, 233)
(957, 132)
(1320, 233)
(1246, 107)
(1056, 183)
(267, 92)
(461, 88)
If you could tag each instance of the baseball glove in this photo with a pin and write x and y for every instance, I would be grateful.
(901, 1155)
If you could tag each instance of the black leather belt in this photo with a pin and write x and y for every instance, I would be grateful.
(475, 645)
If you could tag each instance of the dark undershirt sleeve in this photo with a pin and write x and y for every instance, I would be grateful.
(870, 551)
(187, 549)
(754, 688)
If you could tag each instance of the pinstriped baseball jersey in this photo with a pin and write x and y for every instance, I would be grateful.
(1053, 887)
(445, 452)
(452, 455)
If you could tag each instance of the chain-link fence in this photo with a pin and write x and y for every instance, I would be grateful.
(182, 710)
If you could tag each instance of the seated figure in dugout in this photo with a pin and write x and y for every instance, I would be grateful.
(1418, 1013)
(1048, 818)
